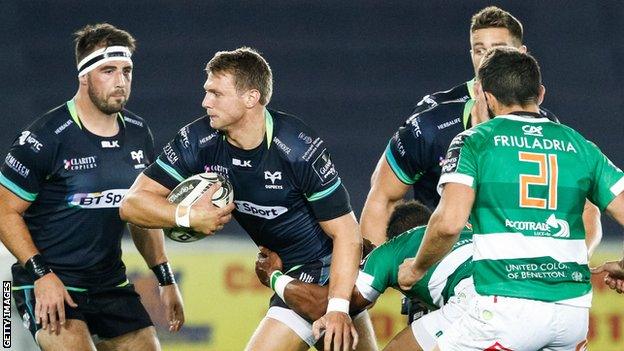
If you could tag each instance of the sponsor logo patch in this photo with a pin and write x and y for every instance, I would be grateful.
(29, 138)
(62, 127)
(16, 165)
(324, 168)
(552, 227)
(171, 155)
(268, 212)
(241, 163)
(104, 199)
(80, 163)
(110, 144)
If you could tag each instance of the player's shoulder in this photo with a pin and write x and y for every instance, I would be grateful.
(49, 126)
(199, 133)
(458, 94)
(133, 121)
(292, 137)
(438, 111)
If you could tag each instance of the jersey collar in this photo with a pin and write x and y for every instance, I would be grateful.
(469, 103)
(268, 124)
(71, 106)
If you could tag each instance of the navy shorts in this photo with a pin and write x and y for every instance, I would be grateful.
(108, 312)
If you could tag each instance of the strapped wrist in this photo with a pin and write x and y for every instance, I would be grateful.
(37, 267)
(184, 220)
(278, 282)
(338, 305)
(164, 274)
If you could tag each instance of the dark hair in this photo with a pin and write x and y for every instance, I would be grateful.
(494, 17)
(93, 36)
(513, 77)
(249, 68)
(406, 216)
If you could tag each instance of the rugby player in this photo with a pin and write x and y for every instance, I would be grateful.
(62, 182)
(446, 289)
(288, 195)
(414, 154)
(523, 180)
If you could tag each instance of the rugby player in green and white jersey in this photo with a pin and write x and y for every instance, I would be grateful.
(523, 180)
(446, 288)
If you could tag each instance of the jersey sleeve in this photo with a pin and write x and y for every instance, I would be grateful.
(321, 185)
(406, 152)
(608, 179)
(28, 163)
(374, 277)
(460, 163)
(176, 162)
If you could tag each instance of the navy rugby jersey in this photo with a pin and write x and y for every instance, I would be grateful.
(416, 151)
(282, 188)
(75, 181)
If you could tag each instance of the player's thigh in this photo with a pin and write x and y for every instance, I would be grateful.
(571, 327)
(366, 332)
(142, 339)
(404, 340)
(275, 335)
(73, 335)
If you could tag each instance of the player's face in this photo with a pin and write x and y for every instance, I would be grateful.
(223, 103)
(483, 39)
(109, 86)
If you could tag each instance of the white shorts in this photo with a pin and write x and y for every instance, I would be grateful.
(296, 323)
(429, 327)
(505, 323)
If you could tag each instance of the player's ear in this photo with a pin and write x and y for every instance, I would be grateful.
(523, 49)
(541, 94)
(82, 80)
(251, 98)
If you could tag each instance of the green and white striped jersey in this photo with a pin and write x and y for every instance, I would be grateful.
(381, 267)
(531, 178)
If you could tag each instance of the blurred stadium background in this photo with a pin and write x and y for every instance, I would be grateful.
(351, 69)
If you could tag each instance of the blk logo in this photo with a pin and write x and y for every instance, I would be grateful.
(241, 163)
(109, 144)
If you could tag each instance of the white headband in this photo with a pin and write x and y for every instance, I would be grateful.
(103, 55)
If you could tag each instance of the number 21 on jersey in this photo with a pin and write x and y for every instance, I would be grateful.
(548, 173)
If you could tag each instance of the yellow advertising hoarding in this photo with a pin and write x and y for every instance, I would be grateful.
(224, 303)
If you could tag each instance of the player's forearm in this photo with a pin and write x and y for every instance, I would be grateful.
(308, 300)
(374, 219)
(593, 226)
(150, 244)
(345, 259)
(147, 210)
(439, 238)
(15, 236)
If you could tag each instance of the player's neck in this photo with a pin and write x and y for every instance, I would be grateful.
(249, 131)
(94, 120)
(505, 110)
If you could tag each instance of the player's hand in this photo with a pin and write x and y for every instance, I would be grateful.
(51, 295)
(408, 275)
(615, 274)
(205, 216)
(266, 263)
(340, 334)
(174, 308)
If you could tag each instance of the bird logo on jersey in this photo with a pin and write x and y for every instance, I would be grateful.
(138, 157)
(277, 175)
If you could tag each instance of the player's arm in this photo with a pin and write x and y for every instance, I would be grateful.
(50, 293)
(615, 269)
(593, 226)
(150, 243)
(146, 205)
(308, 300)
(442, 232)
(386, 190)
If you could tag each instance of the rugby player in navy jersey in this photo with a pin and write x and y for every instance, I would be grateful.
(62, 183)
(413, 157)
(288, 195)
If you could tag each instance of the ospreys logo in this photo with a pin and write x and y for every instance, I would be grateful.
(273, 177)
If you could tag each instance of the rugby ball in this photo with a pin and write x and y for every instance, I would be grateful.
(189, 191)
